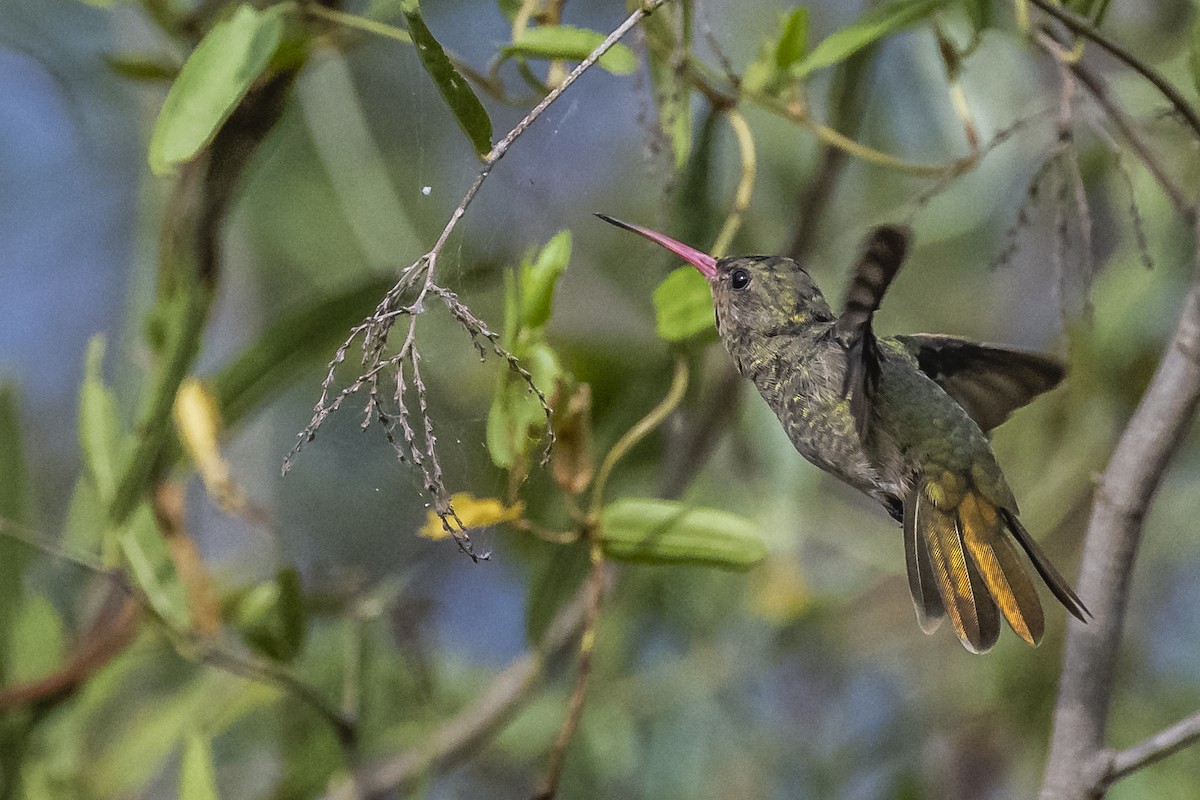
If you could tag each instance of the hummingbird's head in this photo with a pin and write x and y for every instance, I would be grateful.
(761, 295)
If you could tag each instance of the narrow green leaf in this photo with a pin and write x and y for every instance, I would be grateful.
(793, 41)
(683, 305)
(539, 279)
(213, 81)
(666, 531)
(100, 436)
(15, 507)
(471, 115)
(197, 778)
(152, 569)
(143, 66)
(872, 26)
(35, 645)
(570, 44)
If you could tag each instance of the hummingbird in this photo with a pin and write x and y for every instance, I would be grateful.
(904, 419)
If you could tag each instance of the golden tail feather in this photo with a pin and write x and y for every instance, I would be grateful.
(971, 610)
(961, 565)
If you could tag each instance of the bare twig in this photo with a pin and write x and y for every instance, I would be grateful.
(1085, 28)
(417, 443)
(1099, 91)
(1158, 746)
(587, 645)
(1122, 501)
(483, 718)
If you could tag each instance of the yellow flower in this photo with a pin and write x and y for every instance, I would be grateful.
(475, 512)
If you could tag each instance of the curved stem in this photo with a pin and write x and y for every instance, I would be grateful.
(635, 434)
(745, 187)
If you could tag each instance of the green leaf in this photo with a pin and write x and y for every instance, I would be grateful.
(197, 778)
(272, 616)
(570, 44)
(872, 26)
(516, 416)
(539, 279)
(471, 115)
(793, 42)
(213, 81)
(152, 569)
(980, 13)
(143, 66)
(667, 532)
(683, 305)
(100, 436)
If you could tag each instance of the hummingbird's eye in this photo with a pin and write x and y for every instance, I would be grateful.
(739, 279)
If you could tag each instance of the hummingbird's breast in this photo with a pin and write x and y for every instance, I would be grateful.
(801, 377)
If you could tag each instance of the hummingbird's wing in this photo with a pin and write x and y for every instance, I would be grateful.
(882, 256)
(989, 382)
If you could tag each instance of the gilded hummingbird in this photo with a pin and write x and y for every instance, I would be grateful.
(902, 418)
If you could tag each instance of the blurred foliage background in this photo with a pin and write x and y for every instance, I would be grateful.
(303, 629)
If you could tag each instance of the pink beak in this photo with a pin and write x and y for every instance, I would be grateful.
(701, 261)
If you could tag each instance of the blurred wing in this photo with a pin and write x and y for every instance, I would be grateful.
(881, 259)
(988, 382)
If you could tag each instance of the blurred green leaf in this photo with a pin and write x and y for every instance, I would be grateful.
(100, 436)
(272, 616)
(539, 279)
(793, 41)
(667, 531)
(152, 569)
(875, 24)
(197, 778)
(15, 506)
(213, 81)
(35, 645)
(570, 44)
(980, 13)
(472, 117)
(683, 305)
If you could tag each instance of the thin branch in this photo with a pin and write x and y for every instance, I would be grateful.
(488, 714)
(1122, 501)
(1159, 746)
(1099, 91)
(587, 646)
(745, 187)
(1086, 29)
